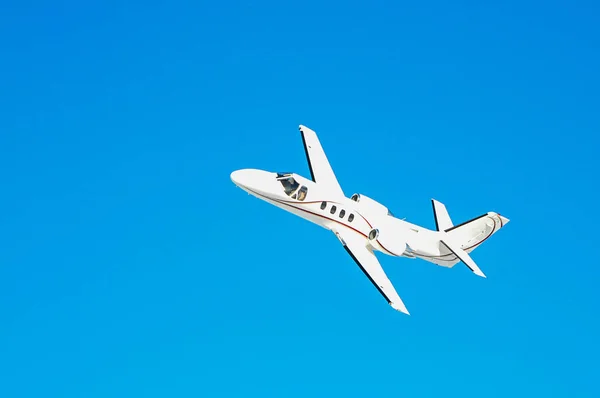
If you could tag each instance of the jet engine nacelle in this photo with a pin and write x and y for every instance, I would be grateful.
(385, 241)
(369, 204)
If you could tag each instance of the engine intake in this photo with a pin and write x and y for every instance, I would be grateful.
(374, 234)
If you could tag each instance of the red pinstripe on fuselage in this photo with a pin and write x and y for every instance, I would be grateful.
(301, 206)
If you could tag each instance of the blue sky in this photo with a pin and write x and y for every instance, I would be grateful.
(130, 265)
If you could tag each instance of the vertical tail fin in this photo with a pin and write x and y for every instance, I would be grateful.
(442, 218)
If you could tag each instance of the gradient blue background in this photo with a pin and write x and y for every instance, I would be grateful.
(131, 266)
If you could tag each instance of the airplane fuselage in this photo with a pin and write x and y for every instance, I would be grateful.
(383, 231)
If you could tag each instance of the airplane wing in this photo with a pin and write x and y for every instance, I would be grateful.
(356, 247)
(320, 169)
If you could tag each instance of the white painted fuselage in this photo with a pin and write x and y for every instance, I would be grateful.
(393, 236)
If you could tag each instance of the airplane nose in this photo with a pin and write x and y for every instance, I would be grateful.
(236, 177)
(252, 179)
(243, 178)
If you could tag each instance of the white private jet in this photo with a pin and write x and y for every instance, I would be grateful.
(363, 225)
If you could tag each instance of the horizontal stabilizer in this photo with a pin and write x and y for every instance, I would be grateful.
(442, 218)
(464, 257)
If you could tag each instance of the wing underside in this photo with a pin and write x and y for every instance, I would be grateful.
(356, 247)
(320, 169)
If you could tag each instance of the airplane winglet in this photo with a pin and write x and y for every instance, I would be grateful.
(464, 257)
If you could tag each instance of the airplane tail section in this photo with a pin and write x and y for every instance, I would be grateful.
(460, 240)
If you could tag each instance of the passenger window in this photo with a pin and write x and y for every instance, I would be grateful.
(333, 209)
(323, 205)
(302, 193)
(350, 217)
(342, 213)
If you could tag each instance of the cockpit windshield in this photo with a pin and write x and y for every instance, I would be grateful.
(290, 186)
